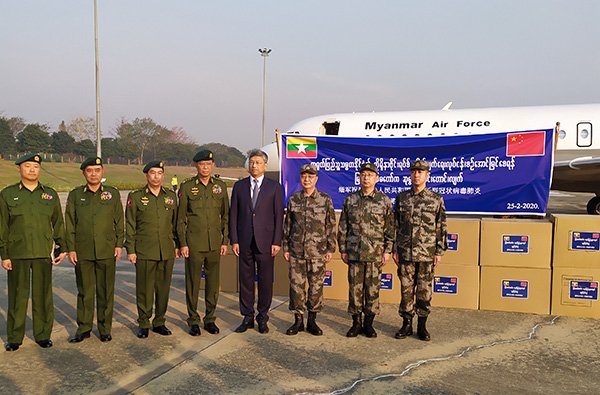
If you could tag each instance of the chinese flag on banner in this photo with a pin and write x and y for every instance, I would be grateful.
(525, 144)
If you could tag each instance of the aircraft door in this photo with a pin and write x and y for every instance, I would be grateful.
(331, 128)
(584, 134)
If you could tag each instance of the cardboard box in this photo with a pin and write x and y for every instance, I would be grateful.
(576, 241)
(228, 275)
(390, 284)
(524, 290)
(281, 280)
(456, 286)
(336, 280)
(575, 292)
(463, 241)
(515, 243)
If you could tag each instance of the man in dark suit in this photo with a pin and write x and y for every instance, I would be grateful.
(255, 230)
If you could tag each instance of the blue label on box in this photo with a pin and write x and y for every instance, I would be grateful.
(445, 285)
(327, 282)
(387, 281)
(515, 244)
(587, 290)
(586, 241)
(452, 241)
(515, 289)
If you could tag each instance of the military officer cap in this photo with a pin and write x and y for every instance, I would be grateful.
(307, 168)
(203, 155)
(154, 163)
(93, 161)
(29, 158)
(419, 165)
(369, 166)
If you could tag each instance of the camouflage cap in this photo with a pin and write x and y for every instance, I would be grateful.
(203, 155)
(154, 163)
(29, 158)
(369, 166)
(419, 165)
(92, 161)
(308, 168)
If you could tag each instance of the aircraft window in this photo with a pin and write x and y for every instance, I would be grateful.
(429, 134)
(331, 128)
(584, 134)
(562, 134)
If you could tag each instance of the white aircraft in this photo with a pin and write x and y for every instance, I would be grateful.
(577, 159)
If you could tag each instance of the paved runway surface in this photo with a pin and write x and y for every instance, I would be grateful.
(502, 351)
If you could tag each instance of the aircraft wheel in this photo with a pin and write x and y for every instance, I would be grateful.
(593, 206)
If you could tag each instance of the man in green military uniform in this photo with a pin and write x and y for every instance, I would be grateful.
(421, 239)
(30, 220)
(203, 234)
(150, 221)
(365, 239)
(308, 245)
(94, 223)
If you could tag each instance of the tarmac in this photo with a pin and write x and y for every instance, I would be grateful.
(471, 351)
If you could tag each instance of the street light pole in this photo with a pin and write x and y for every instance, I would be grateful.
(98, 144)
(264, 52)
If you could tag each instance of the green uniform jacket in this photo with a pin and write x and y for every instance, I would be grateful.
(29, 222)
(94, 222)
(150, 223)
(203, 214)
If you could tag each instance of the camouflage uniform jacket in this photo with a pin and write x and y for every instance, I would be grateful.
(309, 227)
(421, 231)
(366, 229)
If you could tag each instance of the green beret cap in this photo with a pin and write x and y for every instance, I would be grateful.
(419, 165)
(92, 161)
(203, 155)
(312, 169)
(154, 163)
(369, 166)
(29, 158)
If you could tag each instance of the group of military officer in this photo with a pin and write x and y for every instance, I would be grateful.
(161, 226)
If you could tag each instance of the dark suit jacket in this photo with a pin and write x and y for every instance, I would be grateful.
(265, 222)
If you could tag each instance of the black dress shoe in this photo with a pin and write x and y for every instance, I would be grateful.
(194, 330)
(105, 338)
(161, 330)
(79, 337)
(12, 346)
(142, 333)
(211, 328)
(244, 326)
(262, 327)
(45, 343)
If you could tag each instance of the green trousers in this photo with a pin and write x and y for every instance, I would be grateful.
(98, 276)
(152, 285)
(42, 303)
(193, 274)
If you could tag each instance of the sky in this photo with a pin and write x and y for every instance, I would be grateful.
(195, 64)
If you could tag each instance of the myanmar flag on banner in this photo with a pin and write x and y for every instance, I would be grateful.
(525, 144)
(301, 147)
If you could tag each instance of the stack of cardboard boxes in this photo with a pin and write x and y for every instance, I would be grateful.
(576, 265)
(456, 279)
(515, 264)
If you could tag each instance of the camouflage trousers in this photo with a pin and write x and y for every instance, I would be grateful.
(364, 280)
(416, 279)
(301, 270)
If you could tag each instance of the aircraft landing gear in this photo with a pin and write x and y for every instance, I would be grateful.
(593, 206)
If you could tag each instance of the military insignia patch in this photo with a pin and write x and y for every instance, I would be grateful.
(106, 196)
(179, 193)
(217, 190)
(47, 196)
(194, 191)
(169, 200)
(145, 200)
(129, 202)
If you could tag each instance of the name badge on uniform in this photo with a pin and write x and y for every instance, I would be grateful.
(194, 191)
(217, 190)
(145, 200)
(47, 196)
(106, 196)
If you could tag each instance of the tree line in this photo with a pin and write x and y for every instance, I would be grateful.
(137, 141)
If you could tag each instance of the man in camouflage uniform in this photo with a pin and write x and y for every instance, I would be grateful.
(420, 217)
(30, 220)
(150, 221)
(94, 223)
(203, 233)
(308, 244)
(365, 239)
